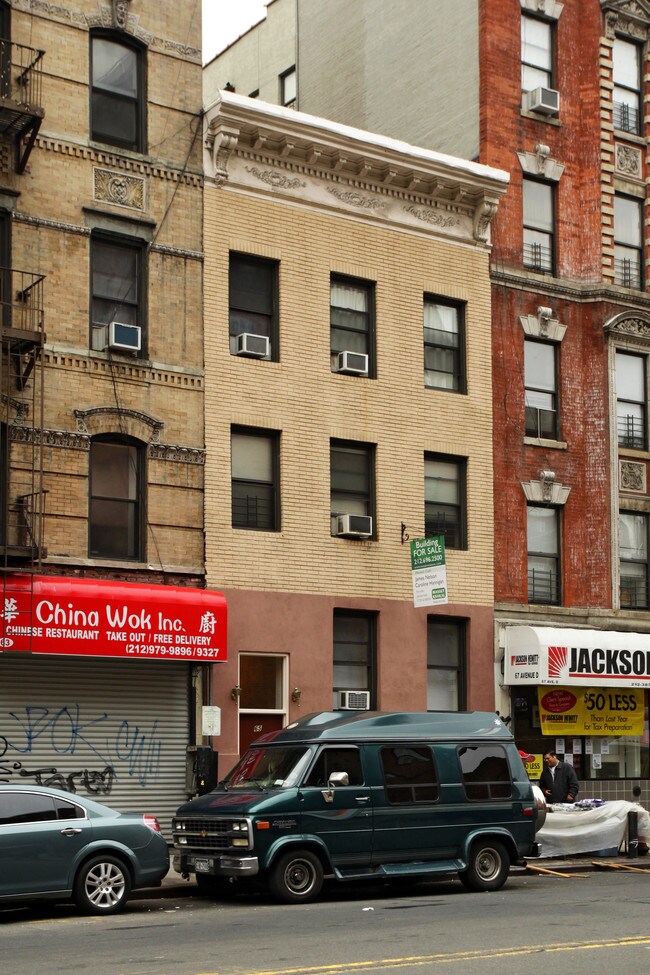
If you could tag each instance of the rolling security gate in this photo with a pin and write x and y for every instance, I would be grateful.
(112, 730)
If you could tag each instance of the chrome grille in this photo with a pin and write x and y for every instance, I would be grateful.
(202, 834)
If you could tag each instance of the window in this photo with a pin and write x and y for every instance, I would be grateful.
(255, 476)
(485, 772)
(352, 321)
(444, 345)
(445, 664)
(536, 54)
(351, 480)
(444, 499)
(539, 225)
(253, 288)
(117, 99)
(628, 242)
(543, 555)
(409, 774)
(288, 88)
(627, 86)
(540, 378)
(116, 505)
(336, 759)
(117, 287)
(631, 400)
(354, 654)
(633, 541)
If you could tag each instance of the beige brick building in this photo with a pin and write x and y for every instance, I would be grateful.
(348, 410)
(102, 376)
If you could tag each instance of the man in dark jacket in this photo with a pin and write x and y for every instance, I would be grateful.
(558, 781)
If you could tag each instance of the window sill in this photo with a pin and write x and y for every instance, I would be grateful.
(538, 117)
(630, 137)
(549, 444)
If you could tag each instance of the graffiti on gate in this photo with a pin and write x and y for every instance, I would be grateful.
(114, 748)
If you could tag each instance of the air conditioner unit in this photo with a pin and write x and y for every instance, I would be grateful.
(352, 362)
(257, 346)
(545, 101)
(355, 700)
(354, 526)
(125, 338)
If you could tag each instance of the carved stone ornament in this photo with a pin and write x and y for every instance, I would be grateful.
(355, 199)
(118, 188)
(638, 327)
(546, 491)
(279, 181)
(105, 419)
(547, 8)
(483, 215)
(220, 142)
(540, 163)
(628, 161)
(543, 325)
(632, 476)
(427, 215)
(631, 17)
(120, 13)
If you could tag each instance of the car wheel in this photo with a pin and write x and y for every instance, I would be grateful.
(296, 877)
(102, 885)
(488, 866)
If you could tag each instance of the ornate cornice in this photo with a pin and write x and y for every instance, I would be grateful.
(271, 150)
(108, 418)
(631, 17)
(70, 440)
(141, 167)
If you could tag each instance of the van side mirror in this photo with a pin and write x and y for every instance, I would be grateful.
(338, 778)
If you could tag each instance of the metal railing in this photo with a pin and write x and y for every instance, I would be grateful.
(21, 74)
(634, 592)
(626, 118)
(538, 257)
(631, 432)
(542, 587)
(627, 273)
(25, 516)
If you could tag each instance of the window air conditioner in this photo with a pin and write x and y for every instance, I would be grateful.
(355, 700)
(123, 337)
(352, 362)
(256, 346)
(354, 526)
(545, 101)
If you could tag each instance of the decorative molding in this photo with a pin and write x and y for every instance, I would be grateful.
(186, 255)
(540, 163)
(118, 188)
(483, 216)
(107, 418)
(543, 326)
(628, 161)
(178, 455)
(630, 17)
(355, 199)
(547, 8)
(275, 179)
(20, 409)
(632, 476)
(546, 490)
(68, 228)
(120, 13)
(427, 215)
(628, 324)
(140, 166)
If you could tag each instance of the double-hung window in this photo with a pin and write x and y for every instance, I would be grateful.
(444, 345)
(543, 555)
(288, 88)
(539, 225)
(352, 481)
(633, 547)
(445, 499)
(631, 411)
(445, 664)
(116, 519)
(540, 379)
(355, 651)
(628, 242)
(253, 301)
(627, 86)
(536, 53)
(352, 325)
(117, 93)
(255, 479)
(117, 292)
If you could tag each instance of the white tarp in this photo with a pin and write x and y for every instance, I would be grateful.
(571, 831)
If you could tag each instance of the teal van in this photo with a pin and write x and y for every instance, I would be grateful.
(363, 795)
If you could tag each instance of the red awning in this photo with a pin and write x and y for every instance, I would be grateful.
(88, 617)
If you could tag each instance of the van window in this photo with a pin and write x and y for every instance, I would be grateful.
(409, 774)
(336, 760)
(485, 772)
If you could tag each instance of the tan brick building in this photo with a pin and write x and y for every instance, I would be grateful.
(102, 381)
(348, 409)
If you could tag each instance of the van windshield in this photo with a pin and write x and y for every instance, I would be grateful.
(269, 768)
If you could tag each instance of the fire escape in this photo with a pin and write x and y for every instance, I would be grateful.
(21, 360)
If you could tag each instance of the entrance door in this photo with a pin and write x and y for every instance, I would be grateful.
(262, 707)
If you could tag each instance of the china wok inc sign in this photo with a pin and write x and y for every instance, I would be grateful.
(111, 619)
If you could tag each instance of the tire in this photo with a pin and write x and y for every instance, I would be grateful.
(102, 885)
(296, 877)
(487, 868)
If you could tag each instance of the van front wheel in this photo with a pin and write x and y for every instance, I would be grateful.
(296, 877)
(488, 866)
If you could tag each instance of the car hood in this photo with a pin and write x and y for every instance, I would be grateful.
(238, 802)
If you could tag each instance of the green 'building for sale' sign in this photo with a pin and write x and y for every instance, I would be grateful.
(429, 571)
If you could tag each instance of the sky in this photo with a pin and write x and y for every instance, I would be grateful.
(225, 20)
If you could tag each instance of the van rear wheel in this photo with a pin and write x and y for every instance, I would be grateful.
(488, 866)
(296, 877)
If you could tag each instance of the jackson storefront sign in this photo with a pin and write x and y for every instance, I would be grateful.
(46, 614)
(570, 658)
(590, 711)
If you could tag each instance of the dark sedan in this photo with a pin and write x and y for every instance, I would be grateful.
(61, 846)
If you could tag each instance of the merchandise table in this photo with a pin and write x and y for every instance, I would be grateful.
(570, 829)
